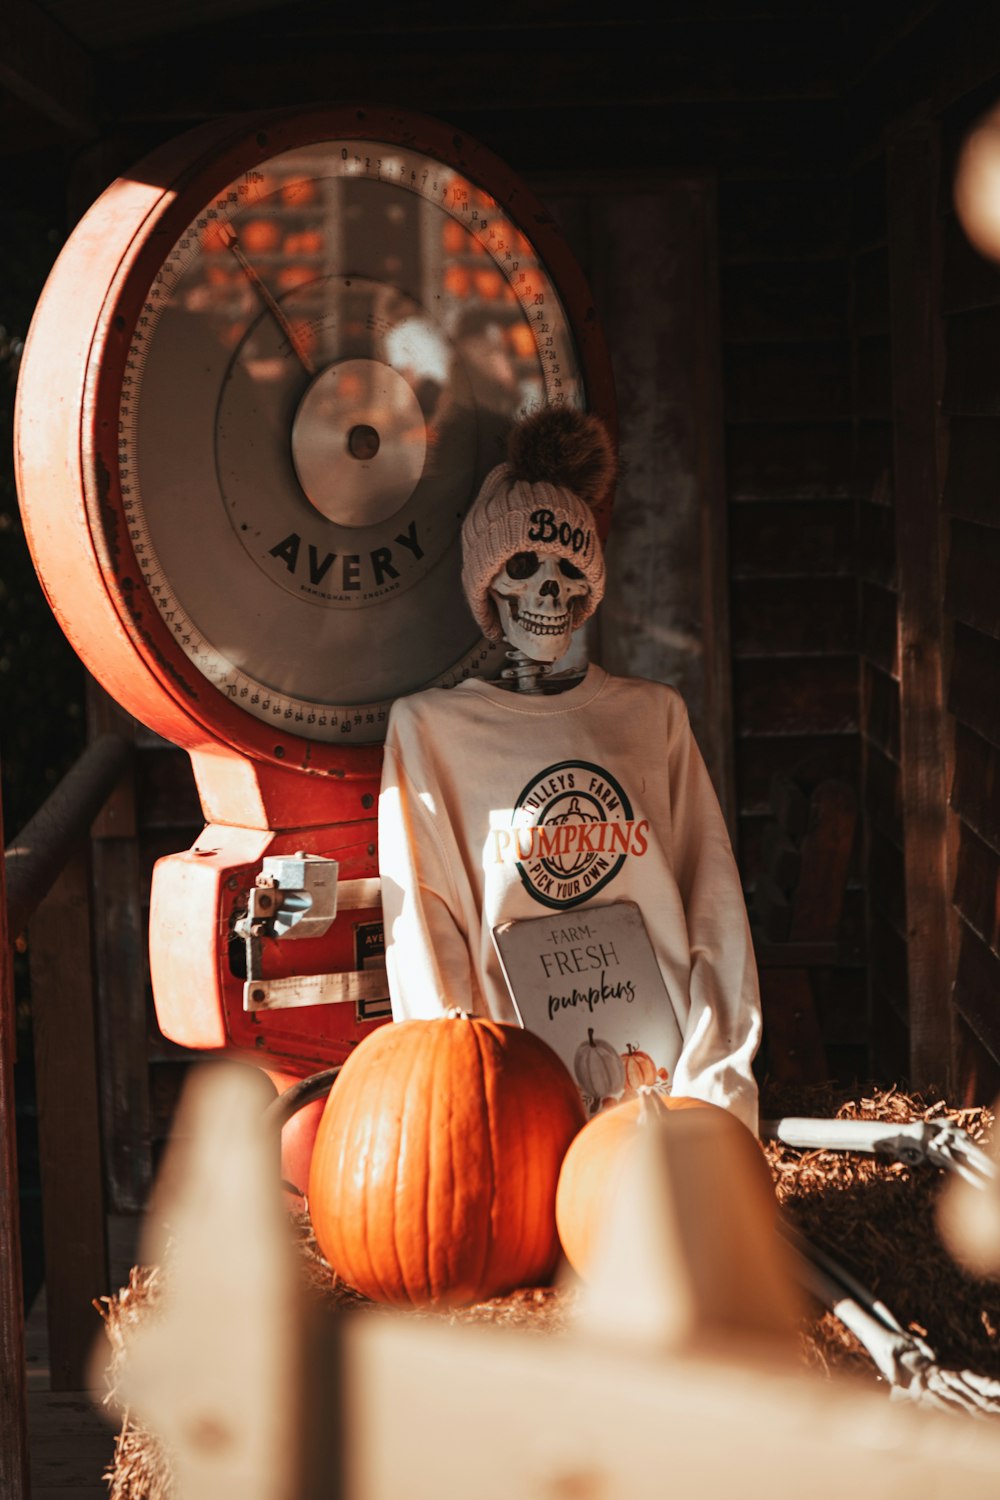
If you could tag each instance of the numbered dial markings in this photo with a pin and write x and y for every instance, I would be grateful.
(324, 370)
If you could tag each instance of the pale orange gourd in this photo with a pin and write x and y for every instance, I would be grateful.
(434, 1172)
(592, 1163)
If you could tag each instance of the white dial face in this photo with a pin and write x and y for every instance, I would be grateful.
(325, 369)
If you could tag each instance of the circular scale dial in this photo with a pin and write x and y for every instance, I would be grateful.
(301, 350)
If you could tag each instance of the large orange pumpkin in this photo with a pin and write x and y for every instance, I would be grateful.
(434, 1172)
(593, 1160)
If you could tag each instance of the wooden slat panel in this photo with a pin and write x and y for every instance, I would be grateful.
(977, 990)
(978, 1071)
(797, 696)
(868, 205)
(972, 385)
(972, 485)
(977, 888)
(794, 617)
(890, 1041)
(974, 696)
(784, 300)
(883, 807)
(924, 745)
(790, 382)
(873, 378)
(879, 638)
(793, 221)
(871, 292)
(887, 958)
(975, 792)
(811, 756)
(69, 1124)
(886, 886)
(789, 461)
(873, 462)
(165, 789)
(841, 998)
(789, 539)
(880, 710)
(973, 584)
(969, 280)
(14, 1476)
(876, 554)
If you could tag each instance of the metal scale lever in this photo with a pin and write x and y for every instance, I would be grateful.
(298, 896)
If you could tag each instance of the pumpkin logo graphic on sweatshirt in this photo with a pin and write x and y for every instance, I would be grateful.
(571, 830)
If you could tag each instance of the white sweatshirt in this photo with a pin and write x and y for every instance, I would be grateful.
(473, 773)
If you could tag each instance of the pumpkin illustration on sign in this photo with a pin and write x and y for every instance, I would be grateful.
(598, 1068)
(639, 1068)
(434, 1172)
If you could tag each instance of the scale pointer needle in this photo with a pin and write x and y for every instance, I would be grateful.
(233, 244)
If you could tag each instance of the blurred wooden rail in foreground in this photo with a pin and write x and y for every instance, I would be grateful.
(253, 1401)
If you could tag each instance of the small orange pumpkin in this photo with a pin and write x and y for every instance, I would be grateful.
(639, 1068)
(434, 1172)
(592, 1164)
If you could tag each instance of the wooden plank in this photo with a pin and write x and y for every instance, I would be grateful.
(873, 462)
(879, 633)
(888, 964)
(13, 1396)
(972, 383)
(44, 67)
(801, 696)
(868, 205)
(873, 378)
(72, 1444)
(972, 484)
(841, 999)
(789, 539)
(973, 695)
(972, 593)
(787, 382)
(871, 292)
(876, 549)
(977, 888)
(886, 886)
(924, 746)
(818, 900)
(890, 1039)
(792, 221)
(969, 280)
(789, 461)
(784, 300)
(978, 1070)
(812, 756)
(880, 712)
(977, 990)
(120, 941)
(793, 1041)
(975, 792)
(165, 789)
(794, 617)
(69, 1127)
(883, 803)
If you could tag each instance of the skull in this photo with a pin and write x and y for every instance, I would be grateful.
(535, 598)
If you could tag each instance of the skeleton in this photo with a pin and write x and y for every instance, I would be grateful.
(536, 599)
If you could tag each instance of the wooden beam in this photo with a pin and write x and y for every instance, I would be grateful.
(44, 67)
(69, 1131)
(13, 1408)
(925, 751)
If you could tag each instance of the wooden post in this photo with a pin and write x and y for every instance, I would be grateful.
(13, 1399)
(925, 753)
(69, 1134)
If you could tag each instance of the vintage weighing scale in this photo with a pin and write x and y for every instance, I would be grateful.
(265, 380)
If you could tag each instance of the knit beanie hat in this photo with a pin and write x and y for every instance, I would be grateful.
(559, 463)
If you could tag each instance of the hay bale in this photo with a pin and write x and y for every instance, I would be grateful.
(875, 1217)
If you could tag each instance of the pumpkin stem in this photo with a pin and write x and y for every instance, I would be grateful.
(651, 1105)
(590, 1036)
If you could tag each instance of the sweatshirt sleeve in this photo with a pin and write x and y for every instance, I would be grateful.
(723, 1026)
(427, 956)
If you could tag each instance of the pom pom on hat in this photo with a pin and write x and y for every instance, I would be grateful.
(560, 462)
(562, 446)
